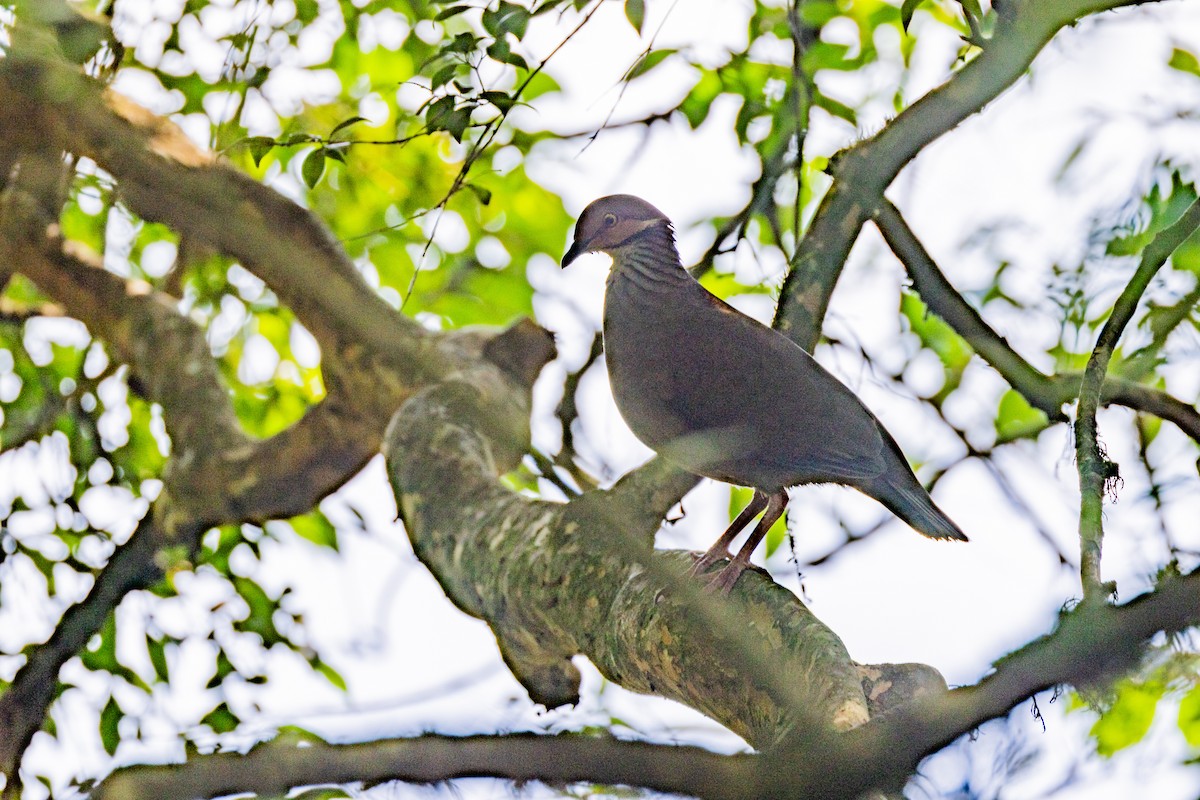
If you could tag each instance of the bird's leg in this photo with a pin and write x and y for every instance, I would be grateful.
(720, 550)
(727, 577)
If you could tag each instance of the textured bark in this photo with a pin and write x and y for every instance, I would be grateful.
(558, 580)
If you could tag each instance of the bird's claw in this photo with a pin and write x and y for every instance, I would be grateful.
(705, 561)
(723, 581)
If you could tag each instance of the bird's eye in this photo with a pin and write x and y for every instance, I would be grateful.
(610, 219)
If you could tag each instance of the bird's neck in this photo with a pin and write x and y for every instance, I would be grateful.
(650, 261)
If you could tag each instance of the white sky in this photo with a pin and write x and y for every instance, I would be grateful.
(414, 663)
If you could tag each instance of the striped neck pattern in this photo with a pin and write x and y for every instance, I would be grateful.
(649, 262)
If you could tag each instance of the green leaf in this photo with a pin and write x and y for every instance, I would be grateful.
(699, 100)
(330, 674)
(306, 11)
(539, 85)
(815, 13)
(345, 124)
(158, 658)
(259, 146)
(485, 196)
(1184, 61)
(548, 5)
(635, 12)
(452, 11)
(506, 18)
(952, 350)
(262, 611)
(462, 43)
(1189, 717)
(316, 528)
(907, 10)
(1128, 719)
(1016, 419)
(221, 719)
(443, 76)
(501, 51)
(835, 108)
(648, 62)
(110, 719)
(501, 100)
(224, 668)
(320, 793)
(725, 285)
(313, 167)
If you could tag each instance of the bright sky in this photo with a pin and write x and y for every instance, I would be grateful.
(414, 663)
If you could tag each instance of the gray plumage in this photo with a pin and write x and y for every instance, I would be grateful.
(726, 397)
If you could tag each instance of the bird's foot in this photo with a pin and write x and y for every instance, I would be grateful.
(707, 560)
(724, 581)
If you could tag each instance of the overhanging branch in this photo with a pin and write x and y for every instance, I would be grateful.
(862, 172)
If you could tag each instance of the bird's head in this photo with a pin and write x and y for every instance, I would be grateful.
(612, 222)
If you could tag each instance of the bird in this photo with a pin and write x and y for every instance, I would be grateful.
(725, 397)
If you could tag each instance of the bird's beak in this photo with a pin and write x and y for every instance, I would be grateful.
(576, 249)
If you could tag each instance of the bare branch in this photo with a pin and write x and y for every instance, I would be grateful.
(1092, 643)
(273, 768)
(862, 172)
(26, 700)
(1095, 470)
(1049, 393)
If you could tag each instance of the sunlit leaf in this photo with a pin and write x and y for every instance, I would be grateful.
(316, 528)
(635, 12)
(1128, 719)
(1184, 61)
(1189, 716)
(1016, 418)
(952, 350)
(648, 62)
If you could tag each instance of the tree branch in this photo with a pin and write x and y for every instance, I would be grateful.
(25, 701)
(271, 769)
(1095, 470)
(862, 172)
(1091, 644)
(46, 102)
(1048, 393)
(557, 580)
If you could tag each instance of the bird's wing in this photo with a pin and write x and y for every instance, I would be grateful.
(804, 418)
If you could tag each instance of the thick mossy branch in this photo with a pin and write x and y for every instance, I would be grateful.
(556, 580)
(167, 352)
(46, 102)
(1091, 645)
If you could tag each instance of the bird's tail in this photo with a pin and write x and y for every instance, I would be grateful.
(911, 503)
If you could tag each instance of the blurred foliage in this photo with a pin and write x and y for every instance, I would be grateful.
(400, 139)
